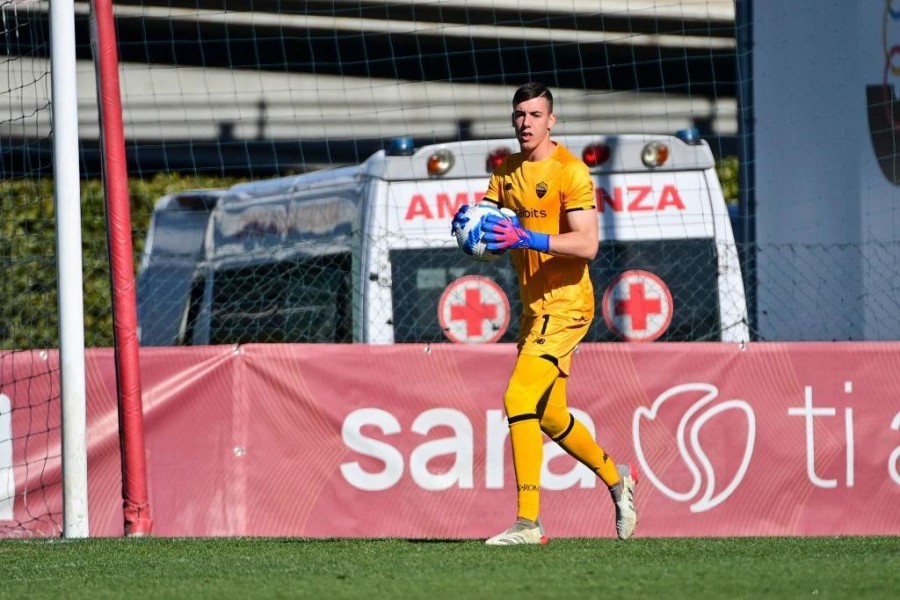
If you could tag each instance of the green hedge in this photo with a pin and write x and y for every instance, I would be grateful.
(28, 312)
(727, 169)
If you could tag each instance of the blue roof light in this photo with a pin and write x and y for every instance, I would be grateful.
(402, 146)
(689, 136)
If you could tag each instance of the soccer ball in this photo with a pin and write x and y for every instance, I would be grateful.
(470, 236)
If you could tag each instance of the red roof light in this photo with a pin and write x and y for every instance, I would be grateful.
(495, 157)
(595, 154)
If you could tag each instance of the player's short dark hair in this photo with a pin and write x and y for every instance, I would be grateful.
(530, 91)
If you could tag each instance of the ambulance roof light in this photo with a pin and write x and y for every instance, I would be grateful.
(440, 162)
(690, 136)
(595, 155)
(654, 154)
(401, 146)
(495, 157)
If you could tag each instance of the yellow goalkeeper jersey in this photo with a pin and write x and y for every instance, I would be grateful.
(540, 192)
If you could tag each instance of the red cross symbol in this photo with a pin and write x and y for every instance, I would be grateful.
(638, 306)
(473, 312)
(473, 309)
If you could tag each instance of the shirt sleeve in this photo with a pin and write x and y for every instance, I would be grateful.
(493, 190)
(580, 192)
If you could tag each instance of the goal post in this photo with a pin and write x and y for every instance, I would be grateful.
(67, 201)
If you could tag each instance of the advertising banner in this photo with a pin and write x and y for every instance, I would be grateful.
(411, 440)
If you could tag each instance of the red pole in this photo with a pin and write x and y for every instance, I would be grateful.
(136, 507)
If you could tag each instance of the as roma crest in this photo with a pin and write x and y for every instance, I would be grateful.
(540, 189)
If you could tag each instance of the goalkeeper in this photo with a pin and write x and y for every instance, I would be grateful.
(554, 234)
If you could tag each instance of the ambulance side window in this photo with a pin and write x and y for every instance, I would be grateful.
(195, 305)
(304, 299)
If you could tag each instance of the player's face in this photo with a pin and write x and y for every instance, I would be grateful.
(533, 120)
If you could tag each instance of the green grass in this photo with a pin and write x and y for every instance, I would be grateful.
(567, 568)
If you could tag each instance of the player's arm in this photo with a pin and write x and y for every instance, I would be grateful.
(579, 241)
(581, 238)
(582, 241)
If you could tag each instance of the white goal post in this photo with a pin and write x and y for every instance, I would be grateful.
(67, 200)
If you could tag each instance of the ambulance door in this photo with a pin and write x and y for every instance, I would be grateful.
(657, 274)
(434, 292)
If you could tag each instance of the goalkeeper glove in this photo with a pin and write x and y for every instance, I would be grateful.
(505, 233)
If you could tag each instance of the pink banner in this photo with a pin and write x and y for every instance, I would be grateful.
(411, 441)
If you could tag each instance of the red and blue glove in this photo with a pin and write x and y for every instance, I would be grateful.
(507, 233)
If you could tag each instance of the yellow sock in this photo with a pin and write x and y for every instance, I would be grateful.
(531, 379)
(581, 445)
(571, 434)
(528, 454)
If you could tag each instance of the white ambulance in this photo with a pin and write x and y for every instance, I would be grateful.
(364, 253)
(172, 251)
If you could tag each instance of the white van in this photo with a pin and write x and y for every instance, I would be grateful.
(364, 253)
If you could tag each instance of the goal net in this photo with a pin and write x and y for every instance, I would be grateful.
(30, 461)
(261, 91)
(215, 97)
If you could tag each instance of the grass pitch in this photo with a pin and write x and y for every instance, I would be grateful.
(843, 567)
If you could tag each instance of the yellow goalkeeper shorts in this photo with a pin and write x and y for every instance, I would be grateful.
(552, 337)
